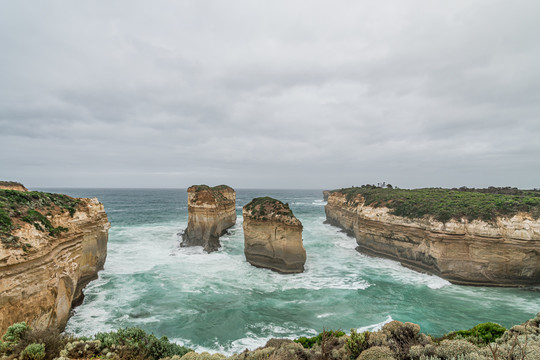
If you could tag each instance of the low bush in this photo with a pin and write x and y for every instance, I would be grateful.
(310, 342)
(33, 352)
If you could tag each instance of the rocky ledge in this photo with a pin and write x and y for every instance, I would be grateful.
(211, 211)
(273, 236)
(52, 246)
(501, 251)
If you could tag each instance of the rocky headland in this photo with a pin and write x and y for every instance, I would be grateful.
(52, 246)
(211, 211)
(273, 236)
(12, 185)
(466, 237)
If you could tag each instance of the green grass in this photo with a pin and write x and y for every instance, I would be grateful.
(261, 206)
(216, 192)
(30, 207)
(446, 204)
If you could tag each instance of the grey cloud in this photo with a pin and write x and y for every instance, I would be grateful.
(281, 94)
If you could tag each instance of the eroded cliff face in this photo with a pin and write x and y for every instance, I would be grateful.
(211, 211)
(503, 253)
(273, 236)
(42, 273)
(12, 185)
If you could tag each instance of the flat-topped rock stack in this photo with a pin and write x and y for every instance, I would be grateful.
(211, 211)
(273, 236)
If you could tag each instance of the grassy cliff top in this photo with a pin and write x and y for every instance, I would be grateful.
(445, 204)
(206, 193)
(31, 207)
(267, 207)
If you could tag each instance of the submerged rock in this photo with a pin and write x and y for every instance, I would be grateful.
(273, 236)
(211, 211)
(51, 247)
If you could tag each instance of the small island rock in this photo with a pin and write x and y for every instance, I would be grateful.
(273, 236)
(211, 211)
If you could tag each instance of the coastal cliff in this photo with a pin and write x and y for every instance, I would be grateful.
(51, 247)
(211, 211)
(503, 250)
(273, 236)
(12, 185)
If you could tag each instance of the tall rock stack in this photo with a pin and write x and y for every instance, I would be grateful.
(273, 236)
(51, 247)
(211, 211)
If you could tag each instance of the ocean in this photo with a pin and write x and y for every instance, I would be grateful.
(220, 303)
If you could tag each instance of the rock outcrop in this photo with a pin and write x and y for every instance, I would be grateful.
(211, 211)
(52, 247)
(12, 185)
(326, 194)
(273, 236)
(505, 252)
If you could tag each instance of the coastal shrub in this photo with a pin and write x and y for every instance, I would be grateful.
(14, 332)
(202, 356)
(310, 342)
(484, 333)
(401, 336)
(449, 349)
(357, 342)
(136, 342)
(33, 352)
(446, 204)
(51, 339)
(377, 353)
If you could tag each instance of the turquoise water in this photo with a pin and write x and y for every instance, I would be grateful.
(218, 302)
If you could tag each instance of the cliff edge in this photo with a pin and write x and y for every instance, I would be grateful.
(12, 185)
(466, 238)
(273, 236)
(211, 211)
(52, 246)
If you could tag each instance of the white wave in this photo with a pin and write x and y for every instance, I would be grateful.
(375, 327)
(319, 203)
(325, 315)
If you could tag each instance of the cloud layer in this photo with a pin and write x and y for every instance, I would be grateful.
(304, 94)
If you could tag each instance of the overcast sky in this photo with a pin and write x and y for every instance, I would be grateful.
(270, 94)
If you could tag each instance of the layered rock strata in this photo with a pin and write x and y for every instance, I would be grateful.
(273, 236)
(211, 211)
(505, 252)
(48, 256)
(12, 185)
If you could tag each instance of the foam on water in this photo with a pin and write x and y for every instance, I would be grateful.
(220, 303)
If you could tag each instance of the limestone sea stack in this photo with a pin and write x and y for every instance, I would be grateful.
(211, 211)
(468, 238)
(51, 247)
(273, 236)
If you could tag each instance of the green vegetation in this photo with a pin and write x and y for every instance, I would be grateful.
(395, 341)
(30, 207)
(262, 206)
(308, 343)
(484, 333)
(446, 204)
(131, 343)
(216, 191)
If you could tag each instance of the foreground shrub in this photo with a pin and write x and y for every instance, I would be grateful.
(33, 352)
(308, 343)
(357, 343)
(377, 353)
(14, 332)
(484, 333)
(137, 343)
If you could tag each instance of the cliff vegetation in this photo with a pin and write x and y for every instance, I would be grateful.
(445, 204)
(32, 207)
(395, 341)
(264, 208)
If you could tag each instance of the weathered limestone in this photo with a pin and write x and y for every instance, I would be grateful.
(41, 281)
(273, 236)
(12, 185)
(503, 253)
(326, 194)
(211, 211)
